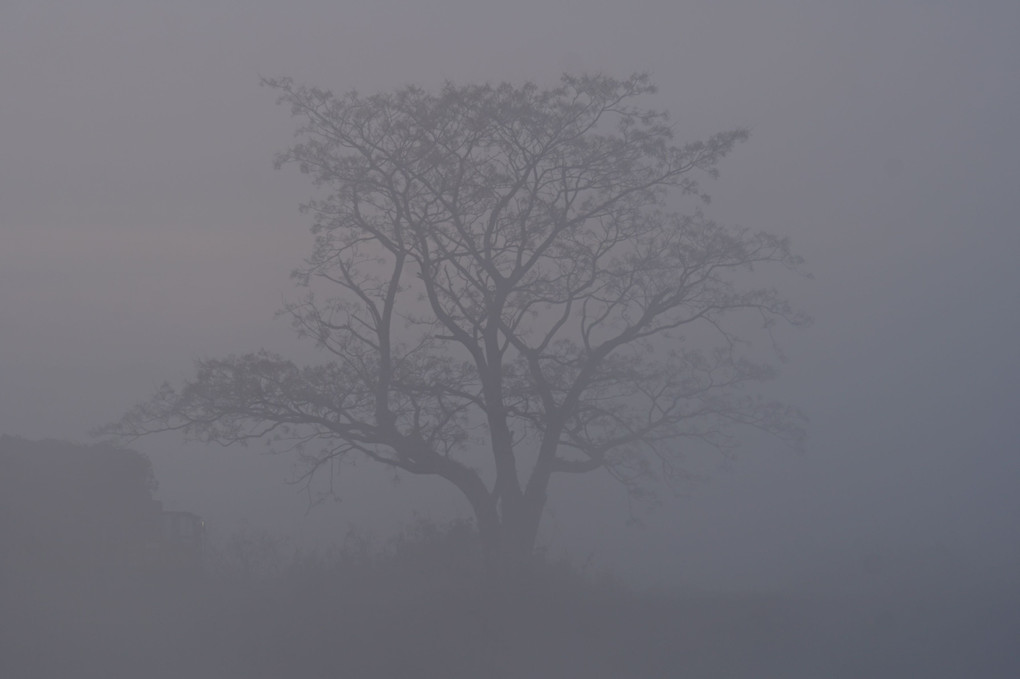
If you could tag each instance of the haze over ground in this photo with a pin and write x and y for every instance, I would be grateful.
(142, 226)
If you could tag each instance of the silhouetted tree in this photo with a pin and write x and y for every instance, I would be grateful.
(509, 296)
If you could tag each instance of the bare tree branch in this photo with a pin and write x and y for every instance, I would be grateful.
(497, 277)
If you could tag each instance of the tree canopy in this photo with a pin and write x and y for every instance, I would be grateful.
(505, 291)
(68, 505)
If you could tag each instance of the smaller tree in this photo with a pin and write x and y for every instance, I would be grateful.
(508, 296)
(70, 506)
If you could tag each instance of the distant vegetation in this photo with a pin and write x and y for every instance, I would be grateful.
(73, 507)
(76, 604)
(414, 605)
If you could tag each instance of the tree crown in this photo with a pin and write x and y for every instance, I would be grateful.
(499, 269)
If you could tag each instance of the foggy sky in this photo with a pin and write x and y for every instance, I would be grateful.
(142, 226)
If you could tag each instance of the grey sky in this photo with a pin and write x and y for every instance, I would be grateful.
(142, 226)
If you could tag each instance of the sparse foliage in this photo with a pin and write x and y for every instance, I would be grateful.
(506, 294)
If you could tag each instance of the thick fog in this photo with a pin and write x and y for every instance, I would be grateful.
(142, 227)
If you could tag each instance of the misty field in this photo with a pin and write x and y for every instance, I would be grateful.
(416, 607)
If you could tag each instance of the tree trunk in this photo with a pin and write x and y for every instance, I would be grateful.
(509, 543)
(507, 527)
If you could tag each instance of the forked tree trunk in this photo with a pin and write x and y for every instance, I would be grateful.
(508, 536)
